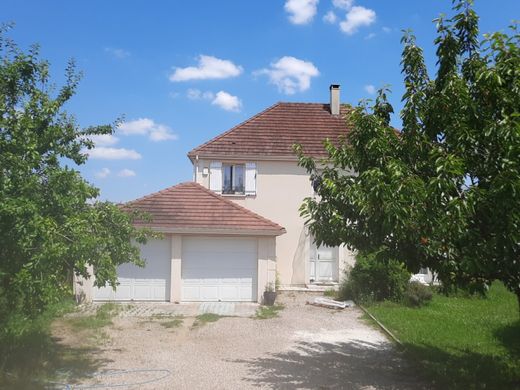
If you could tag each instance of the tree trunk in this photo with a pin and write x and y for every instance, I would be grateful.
(518, 299)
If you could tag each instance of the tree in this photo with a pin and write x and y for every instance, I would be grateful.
(50, 224)
(444, 192)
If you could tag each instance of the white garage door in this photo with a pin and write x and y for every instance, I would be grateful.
(219, 269)
(151, 283)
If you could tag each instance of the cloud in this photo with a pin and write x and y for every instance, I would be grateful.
(330, 17)
(386, 30)
(291, 74)
(227, 101)
(104, 153)
(117, 53)
(357, 17)
(370, 89)
(103, 139)
(222, 99)
(197, 94)
(126, 173)
(301, 11)
(343, 4)
(145, 126)
(208, 68)
(103, 173)
(370, 36)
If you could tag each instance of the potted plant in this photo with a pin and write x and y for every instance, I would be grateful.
(269, 294)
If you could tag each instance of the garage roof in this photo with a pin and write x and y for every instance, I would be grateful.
(191, 208)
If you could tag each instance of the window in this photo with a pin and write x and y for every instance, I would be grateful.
(233, 179)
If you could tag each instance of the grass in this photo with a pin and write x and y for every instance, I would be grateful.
(331, 293)
(267, 312)
(103, 317)
(169, 321)
(461, 342)
(203, 319)
(31, 358)
(175, 323)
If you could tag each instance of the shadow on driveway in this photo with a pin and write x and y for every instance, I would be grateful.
(353, 365)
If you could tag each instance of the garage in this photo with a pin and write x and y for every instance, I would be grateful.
(219, 269)
(151, 283)
(212, 250)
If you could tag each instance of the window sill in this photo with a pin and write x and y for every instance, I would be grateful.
(238, 196)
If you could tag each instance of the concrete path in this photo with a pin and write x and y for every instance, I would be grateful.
(150, 309)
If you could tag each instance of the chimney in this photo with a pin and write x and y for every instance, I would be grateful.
(334, 99)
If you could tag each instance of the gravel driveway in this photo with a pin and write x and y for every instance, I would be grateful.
(306, 347)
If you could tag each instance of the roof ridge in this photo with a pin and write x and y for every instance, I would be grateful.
(320, 103)
(237, 206)
(191, 152)
(154, 193)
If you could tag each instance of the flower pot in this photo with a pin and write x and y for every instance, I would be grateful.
(269, 298)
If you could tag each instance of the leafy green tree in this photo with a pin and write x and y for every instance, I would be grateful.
(444, 192)
(50, 224)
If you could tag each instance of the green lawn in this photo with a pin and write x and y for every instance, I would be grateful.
(461, 342)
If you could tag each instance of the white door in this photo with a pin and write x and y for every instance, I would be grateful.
(151, 283)
(219, 269)
(324, 263)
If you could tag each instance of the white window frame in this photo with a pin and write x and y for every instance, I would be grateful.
(233, 190)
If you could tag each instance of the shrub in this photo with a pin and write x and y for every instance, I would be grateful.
(417, 294)
(372, 279)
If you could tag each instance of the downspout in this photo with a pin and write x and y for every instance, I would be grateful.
(195, 166)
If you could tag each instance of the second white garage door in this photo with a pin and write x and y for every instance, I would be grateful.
(219, 269)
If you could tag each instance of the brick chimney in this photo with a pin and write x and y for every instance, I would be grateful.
(334, 99)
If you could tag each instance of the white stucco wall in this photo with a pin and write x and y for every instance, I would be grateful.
(281, 187)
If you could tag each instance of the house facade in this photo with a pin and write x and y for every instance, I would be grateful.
(236, 228)
(254, 165)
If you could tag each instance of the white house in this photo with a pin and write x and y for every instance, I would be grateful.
(237, 225)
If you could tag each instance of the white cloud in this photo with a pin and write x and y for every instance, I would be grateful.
(197, 94)
(103, 139)
(103, 153)
(126, 173)
(357, 17)
(343, 4)
(387, 30)
(103, 173)
(301, 11)
(370, 89)
(117, 53)
(209, 67)
(291, 74)
(146, 126)
(330, 17)
(227, 101)
(370, 36)
(194, 94)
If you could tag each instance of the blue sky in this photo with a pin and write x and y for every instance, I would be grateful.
(182, 72)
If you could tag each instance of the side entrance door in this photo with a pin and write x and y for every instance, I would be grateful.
(324, 264)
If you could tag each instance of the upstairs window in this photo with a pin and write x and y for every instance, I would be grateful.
(233, 179)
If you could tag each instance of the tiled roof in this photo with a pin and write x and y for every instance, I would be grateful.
(190, 206)
(275, 130)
